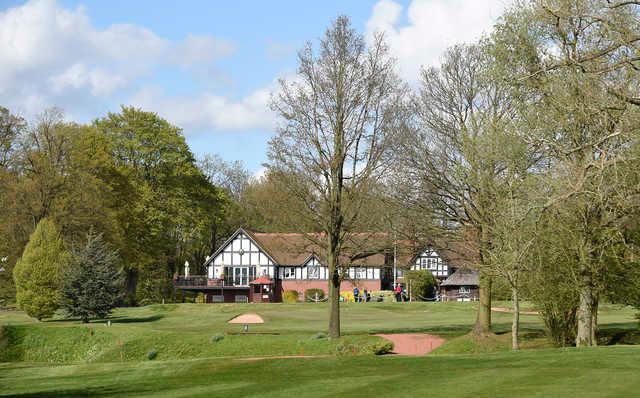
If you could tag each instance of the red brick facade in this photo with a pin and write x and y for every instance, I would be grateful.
(301, 285)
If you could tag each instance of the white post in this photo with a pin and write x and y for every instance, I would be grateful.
(395, 255)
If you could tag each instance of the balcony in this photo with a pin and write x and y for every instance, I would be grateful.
(196, 281)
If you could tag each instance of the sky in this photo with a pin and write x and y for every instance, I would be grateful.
(208, 67)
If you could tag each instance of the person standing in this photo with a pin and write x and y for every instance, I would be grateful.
(364, 296)
(398, 292)
(356, 293)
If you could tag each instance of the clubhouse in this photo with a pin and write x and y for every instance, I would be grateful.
(259, 267)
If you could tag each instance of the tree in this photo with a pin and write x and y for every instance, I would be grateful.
(338, 119)
(38, 273)
(451, 162)
(91, 285)
(11, 239)
(422, 284)
(169, 208)
(231, 176)
(579, 59)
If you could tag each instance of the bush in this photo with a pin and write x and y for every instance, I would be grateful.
(381, 348)
(200, 298)
(217, 337)
(319, 336)
(151, 355)
(347, 348)
(310, 294)
(422, 283)
(290, 296)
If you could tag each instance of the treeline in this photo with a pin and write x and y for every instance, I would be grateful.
(129, 177)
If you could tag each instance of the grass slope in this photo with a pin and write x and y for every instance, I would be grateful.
(598, 372)
(183, 331)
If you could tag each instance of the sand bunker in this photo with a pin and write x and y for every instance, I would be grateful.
(413, 343)
(247, 319)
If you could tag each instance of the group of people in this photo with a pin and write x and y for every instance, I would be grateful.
(366, 295)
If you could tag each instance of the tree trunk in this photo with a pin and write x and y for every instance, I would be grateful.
(483, 321)
(594, 320)
(515, 325)
(334, 294)
(585, 314)
(131, 284)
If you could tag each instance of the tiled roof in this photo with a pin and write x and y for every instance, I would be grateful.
(462, 277)
(366, 249)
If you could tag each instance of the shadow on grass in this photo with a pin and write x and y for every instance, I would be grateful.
(85, 392)
(142, 319)
(614, 336)
(113, 319)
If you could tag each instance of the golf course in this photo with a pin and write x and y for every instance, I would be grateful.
(191, 350)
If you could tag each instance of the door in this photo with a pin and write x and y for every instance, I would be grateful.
(241, 276)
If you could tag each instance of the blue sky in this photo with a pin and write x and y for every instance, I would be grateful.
(207, 66)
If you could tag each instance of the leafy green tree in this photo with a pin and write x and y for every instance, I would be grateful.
(38, 273)
(579, 60)
(92, 283)
(422, 283)
(171, 210)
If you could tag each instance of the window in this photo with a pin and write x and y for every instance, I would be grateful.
(360, 273)
(465, 290)
(423, 262)
(289, 273)
(313, 272)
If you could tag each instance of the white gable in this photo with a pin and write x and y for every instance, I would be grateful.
(430, 260)
(241, 251)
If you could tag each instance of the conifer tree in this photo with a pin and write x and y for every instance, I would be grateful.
(92, 283)
(38, 273)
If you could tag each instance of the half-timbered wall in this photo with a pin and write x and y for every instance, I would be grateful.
(241, 252)
(430, 260)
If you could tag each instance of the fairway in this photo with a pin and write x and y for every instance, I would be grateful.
(67, 358)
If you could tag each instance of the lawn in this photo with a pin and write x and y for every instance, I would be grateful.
(599, 372)
(67, 358)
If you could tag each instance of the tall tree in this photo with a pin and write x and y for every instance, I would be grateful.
(38, 273)
(580, 59)
(11, 239)
(91, 285)
(451, 163)
(169, 204)
(337, 123)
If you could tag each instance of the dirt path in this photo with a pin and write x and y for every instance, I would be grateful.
(503, 309)
(413, 343)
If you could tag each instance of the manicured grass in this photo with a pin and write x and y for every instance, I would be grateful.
(67, 358)
(598, 372)
(183, 331)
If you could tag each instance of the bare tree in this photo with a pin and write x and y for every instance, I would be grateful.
(451, 162)
(231, 176)
(337, 121)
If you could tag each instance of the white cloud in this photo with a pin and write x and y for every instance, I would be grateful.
(50, 55)
(209, 111)
(431, 27)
